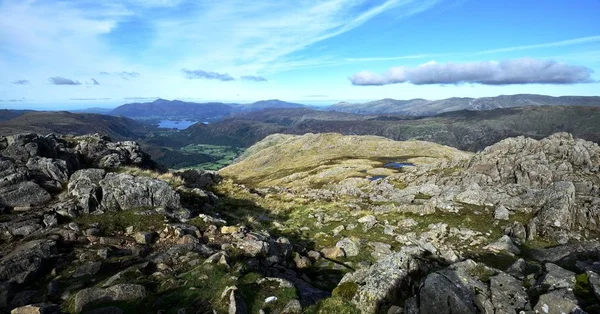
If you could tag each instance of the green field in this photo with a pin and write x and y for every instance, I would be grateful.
(222, 155)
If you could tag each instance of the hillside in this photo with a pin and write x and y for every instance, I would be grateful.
(63, 122)
(423, 107)
(466, 130)
(509, 220)
(318, 223)
(282, 160)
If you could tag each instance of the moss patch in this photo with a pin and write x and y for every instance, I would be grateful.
(482, 272)
(422, 196)
(112, 222)
(332, 305)
(346, 291)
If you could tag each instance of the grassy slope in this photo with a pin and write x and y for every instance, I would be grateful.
(281, 155)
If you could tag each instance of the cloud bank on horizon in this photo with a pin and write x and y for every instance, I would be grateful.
(230, 50)
(506, 72)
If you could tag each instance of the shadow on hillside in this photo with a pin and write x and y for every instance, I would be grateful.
(312, 284)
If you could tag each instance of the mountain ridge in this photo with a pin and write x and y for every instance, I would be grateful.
(465, 129)
(183, 110)
(423, 107)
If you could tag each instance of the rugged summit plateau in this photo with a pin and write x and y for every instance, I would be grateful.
(314, 223)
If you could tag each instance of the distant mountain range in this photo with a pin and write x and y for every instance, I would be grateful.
(214, 111)
(464, 129)
(424, 107)
(182, 110)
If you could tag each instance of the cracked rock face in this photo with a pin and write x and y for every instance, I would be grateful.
(123, 191)
(94, 189)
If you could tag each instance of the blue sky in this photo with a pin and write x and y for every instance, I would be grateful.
(80, 53)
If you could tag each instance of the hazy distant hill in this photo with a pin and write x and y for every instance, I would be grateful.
(62, 122)
(7, 114)
(466, 129)
(173, 109)
(423, 107)
(266, 104)
(182, 110)
(99, 110)
(247, 129)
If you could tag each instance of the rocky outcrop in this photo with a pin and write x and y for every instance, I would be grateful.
(123, 191)
(387, 280)
(96, 190)
(420, 239)
(34, 167)
(100, 152)
(533, 163)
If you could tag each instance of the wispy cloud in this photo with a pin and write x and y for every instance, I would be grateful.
(570, 42)
(140, 98)
(88, 99)
(230, 37)
(21, 82)
(201, 74)
(261, 36)
(95, 82)
(126, 75)
(253, 78)
(58, 80)
(507, 72)
(419, 56)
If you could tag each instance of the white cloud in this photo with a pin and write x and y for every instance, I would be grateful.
(506, 72)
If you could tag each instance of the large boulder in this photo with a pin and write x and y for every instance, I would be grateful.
(461, 288)
(122, 292)
(28, 261)
(350, 246)
(123, 191)
(15, 188)
(84, 186)
(557, 302)
(94, 189)
(456, 289)
(50, 169)
(507, 294)
(195, 178)
(385, 281)
(557, 212)
(24, 194)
